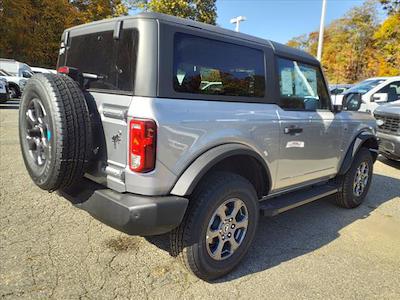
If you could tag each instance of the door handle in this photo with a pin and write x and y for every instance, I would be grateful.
(293, 130)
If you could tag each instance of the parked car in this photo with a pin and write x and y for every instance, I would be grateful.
(16, 68)
(4, 93)
(337, 91)
(148, 152)
(374, 92)
(16, 84)
(388, 120)
(36, 70)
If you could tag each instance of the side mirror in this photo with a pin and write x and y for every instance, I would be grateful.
(379, 97)
(352, 101)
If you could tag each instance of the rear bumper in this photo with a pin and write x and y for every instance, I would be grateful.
(130, 213)
(389, 144)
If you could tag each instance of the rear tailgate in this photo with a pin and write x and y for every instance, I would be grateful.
(108, 61)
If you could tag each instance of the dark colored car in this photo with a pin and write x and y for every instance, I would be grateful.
(388, 121)
(4, 91)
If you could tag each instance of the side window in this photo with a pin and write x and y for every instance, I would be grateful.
(205, 66)
(301, 86)
(114, 62)
(26, 74)
(392, 90)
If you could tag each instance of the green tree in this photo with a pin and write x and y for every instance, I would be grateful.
(199, 10)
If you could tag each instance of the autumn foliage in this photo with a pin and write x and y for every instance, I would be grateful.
(30, 30)
(358, 45)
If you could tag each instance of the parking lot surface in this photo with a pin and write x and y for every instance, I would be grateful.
(50, 249)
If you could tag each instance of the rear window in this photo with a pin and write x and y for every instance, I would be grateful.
(211, 67)
(113, 61)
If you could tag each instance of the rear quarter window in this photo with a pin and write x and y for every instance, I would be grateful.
(211, 67)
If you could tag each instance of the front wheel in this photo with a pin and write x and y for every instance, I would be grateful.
(218, 227)
(354, 185)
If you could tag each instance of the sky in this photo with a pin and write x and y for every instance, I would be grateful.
(280, 20)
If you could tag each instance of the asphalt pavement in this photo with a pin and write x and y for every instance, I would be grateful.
(50, 249)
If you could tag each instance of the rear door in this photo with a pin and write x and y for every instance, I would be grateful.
(310, 133)
(106, 55)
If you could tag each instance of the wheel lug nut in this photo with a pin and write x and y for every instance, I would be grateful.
(233, 226)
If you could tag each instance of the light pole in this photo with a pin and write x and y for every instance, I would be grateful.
(321, 31)
(237, 21)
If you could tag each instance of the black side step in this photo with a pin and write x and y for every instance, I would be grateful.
(274, 206)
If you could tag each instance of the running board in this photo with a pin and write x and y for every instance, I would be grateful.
(280, 204)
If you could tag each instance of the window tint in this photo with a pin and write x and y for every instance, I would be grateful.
(204, 66)
(393, 91)
(114, 61)
(301, 86)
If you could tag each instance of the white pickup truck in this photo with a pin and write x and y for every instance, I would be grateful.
(374, 92)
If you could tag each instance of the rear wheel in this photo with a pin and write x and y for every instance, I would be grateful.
(218, 227)
(55, 131)
(354, 185)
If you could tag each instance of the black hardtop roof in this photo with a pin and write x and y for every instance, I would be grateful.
(279, 49)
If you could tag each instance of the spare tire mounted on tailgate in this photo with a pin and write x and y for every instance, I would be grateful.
(55, 131)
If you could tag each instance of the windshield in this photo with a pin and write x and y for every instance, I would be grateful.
(4, 73)
(365, 86)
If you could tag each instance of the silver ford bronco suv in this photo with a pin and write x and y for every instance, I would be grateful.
(156, 124)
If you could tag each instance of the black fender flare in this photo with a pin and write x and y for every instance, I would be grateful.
(357, 143)
(198, 168)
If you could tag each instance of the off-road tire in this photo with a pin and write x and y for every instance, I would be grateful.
(346, 197)
(70, 134)
(188, 240)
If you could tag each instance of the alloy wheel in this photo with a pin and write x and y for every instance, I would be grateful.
(38, 133)
(361, 179)
(227, 229)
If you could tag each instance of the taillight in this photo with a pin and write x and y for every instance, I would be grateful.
(74, 73)
(142, 145)
(63, 70)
